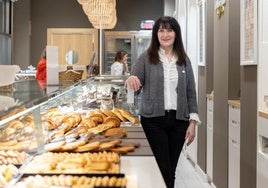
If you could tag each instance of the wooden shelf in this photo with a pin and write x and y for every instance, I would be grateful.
(235, 103)
(263, 114)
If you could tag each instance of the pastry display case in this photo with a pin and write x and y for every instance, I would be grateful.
(77, 129)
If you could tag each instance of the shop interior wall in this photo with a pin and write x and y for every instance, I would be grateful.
(248, 145)
(226, 84)
(205, 82)
(21, 34)
(33, 17)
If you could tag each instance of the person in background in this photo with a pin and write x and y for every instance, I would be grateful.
(41, 72)
(119, 66)
(168, 107)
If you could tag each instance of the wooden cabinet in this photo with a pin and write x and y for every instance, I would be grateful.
(262, 150)
(83, 41)
(234, 145)
(210, 138)
(262, 128)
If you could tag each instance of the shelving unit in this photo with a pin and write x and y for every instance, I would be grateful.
(262, 128)
(210, 137)
(234, 144)
(262, 151)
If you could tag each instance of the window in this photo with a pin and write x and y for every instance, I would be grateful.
(5, 31)
(248, 30)
(5, 16)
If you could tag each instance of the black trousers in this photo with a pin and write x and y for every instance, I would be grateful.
(166, 136)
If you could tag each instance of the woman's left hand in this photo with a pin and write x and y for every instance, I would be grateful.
(190, 133)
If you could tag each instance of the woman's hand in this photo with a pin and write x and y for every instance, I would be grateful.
(125, 66)
(190, 133)
(133, 82)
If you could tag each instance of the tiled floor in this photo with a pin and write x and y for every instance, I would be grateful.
(187, 177)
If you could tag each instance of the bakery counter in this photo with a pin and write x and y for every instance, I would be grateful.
(136, 165)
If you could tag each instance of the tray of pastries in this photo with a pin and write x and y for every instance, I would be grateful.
(19, 135)
(72, 181)
(74, 163)
(95, 130)
(13, 157)
(7, 172)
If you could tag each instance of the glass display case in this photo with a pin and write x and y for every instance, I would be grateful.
(27, 98)
(43, 125)
(133, 42)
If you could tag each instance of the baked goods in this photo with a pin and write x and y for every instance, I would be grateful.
(109, 144)
(55, 117)
(63, 162)
(88, 147)
(118, 131)
(98, 118)
(54, 146)
(119, 115)
(72, 145)
(128, 116)
(12, 157)
(122, 149)
(77, 131)
(89, 123)
(72, 181)
(72, 119)
(48, 125)
(6, 173)
(24, 145)
(109, 113)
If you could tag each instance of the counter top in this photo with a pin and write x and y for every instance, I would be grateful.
(141, 171)
(235, 103)
(136, 134)
(263, 114)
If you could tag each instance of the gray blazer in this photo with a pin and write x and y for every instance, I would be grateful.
(152, 80)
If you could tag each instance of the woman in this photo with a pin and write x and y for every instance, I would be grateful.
(119, 66)
(168, 105)
(41, 72)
